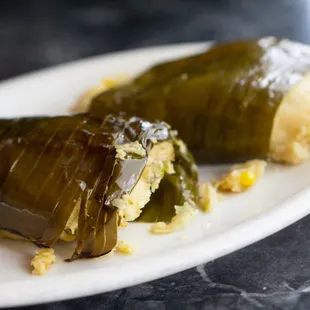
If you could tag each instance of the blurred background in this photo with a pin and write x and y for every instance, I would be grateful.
(36, 34)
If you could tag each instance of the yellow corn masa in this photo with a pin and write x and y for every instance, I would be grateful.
(242, 177)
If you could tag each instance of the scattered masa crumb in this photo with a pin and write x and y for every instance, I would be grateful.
(42, 261)
(208, 196)
(242, 176)
(125, 247)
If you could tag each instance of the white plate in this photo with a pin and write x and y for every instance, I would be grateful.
(279, 199)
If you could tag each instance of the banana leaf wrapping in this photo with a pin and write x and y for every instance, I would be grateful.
(53, 167)
(174, 189)
(222, 102)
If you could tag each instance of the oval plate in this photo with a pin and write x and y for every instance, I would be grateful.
(280, 198)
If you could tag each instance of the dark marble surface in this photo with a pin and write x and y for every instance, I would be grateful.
(271, 274)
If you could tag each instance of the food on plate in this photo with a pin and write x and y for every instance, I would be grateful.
(182, 217)
(103, 85)
(42, 261)
(237, 101)
(177, 191)
(208, 196)
(125, 247)
(242, 176)
(79, 178)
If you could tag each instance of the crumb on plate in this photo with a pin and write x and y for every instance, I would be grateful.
(208, 196)
(242, 176)
(42, 261)
(125, 247)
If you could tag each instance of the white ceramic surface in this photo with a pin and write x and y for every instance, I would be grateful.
(279, 199)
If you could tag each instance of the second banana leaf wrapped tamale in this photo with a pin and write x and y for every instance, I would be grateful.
(76, 177)
(237, 101)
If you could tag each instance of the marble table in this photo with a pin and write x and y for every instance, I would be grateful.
(271, 274)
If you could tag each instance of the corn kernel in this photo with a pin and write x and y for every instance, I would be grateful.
(247, 178)
(110, 82)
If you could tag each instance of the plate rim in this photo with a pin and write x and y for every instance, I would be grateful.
(92, 286)
(224, 242)
(104, 56)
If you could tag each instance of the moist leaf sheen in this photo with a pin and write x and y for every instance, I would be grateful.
(222, 102)
(48, 166)
(174, 189)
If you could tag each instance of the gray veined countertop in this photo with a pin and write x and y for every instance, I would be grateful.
(271, 274)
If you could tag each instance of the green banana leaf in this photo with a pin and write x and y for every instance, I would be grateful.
(222, 102)
(51, 165)
(174, 189)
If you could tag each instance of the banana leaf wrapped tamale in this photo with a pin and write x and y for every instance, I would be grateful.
(76, 177)
(234, 102)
